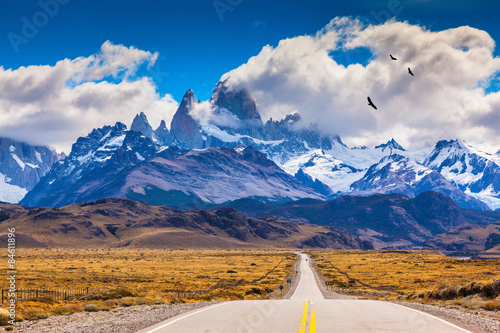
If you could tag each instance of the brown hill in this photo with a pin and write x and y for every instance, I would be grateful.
(127, 223)
(469, 240)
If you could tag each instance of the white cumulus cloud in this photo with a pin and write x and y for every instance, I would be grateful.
(54, 105)
(447, 97)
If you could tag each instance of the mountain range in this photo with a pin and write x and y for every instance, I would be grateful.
(220, 150)
(387, 220)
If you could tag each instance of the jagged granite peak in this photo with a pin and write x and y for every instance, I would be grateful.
(21, 167)
(291, 127)
(141, 125)
(162, 134)
(241, 104)
(184, 129)
(391, 144)
(292, 138)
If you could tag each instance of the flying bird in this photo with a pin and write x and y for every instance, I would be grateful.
(410, 72)
(371, 103)
(393, 57)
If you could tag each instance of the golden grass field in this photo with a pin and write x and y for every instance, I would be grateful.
(412, 275)
(150, 275)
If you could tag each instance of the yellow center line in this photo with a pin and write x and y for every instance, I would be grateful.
(312, 327)
(303, 323)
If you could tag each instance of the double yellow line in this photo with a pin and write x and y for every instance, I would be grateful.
(312, 323)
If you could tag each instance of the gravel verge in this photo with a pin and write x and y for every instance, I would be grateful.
(118, 320)
(472, 320)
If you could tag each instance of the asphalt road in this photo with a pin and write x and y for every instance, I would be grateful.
(306, 311)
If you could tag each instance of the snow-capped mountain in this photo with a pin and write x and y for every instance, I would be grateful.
(399, 174)
(476, 173)
(390, 145)
(101, 155)
(324, 167)
(21, 167)
(114, 161)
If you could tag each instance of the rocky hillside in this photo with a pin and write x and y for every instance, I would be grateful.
(468, 240)
(389, 221)
(127, 223)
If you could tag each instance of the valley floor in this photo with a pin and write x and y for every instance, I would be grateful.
(133, 318)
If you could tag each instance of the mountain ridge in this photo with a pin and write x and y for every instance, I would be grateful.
(231, 120)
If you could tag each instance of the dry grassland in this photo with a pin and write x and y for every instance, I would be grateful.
(126, 277)
(414, 275)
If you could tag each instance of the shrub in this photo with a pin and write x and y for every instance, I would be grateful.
(122, 293)
(129, 301)
(476, 288)
(62, 310)
(4, 317)
(92, 307)
(492, 306)
(35, 314)
(463, 291)
(496, 286)
(448, 293)
(488, 291)
(254, 290)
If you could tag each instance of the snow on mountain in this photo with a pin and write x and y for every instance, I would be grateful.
(230, 119)
(103, 153)
(331, 171)
(114, 162)
(390, 145)
(399, 174)
(10, 193)
(21, 167)
(476, 173)
(214, 175)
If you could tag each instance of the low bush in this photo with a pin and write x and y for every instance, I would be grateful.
(492, 306)
(35, 314)
(92, 307)
(254, 290)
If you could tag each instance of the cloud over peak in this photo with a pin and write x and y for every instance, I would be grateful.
(445, 99)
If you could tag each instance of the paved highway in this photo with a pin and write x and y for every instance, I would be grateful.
(306, 311)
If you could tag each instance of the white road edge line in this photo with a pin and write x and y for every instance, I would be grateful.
(429, 315)
(183, 317)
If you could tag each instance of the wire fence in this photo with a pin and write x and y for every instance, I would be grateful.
(55, 294)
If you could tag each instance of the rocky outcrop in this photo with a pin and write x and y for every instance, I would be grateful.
(185, 130)
(334, 240)
(141, 125)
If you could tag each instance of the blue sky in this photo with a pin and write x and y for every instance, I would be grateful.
(196, 42)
